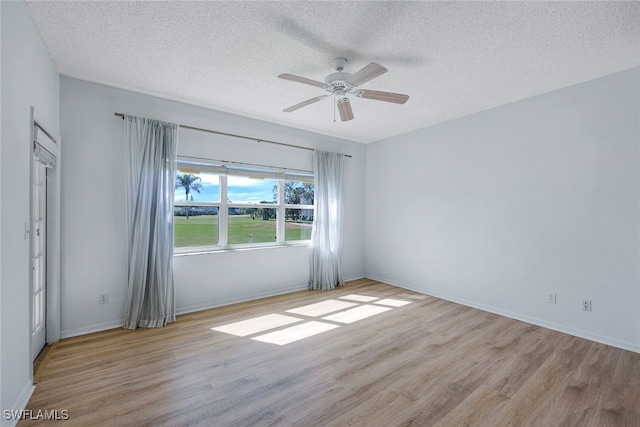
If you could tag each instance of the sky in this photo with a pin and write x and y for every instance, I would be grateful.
(239, 189)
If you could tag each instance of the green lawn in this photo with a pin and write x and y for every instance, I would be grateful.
(297, 230)
(202, 230)
(196, 231)
(243, 229)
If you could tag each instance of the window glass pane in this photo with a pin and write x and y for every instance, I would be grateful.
(242, 189)
(298, 193)
(201, 187)
(298, 224)
(195, 226)
(252, 225)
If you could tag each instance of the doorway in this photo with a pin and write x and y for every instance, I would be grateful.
(38, 257)
(43, 231)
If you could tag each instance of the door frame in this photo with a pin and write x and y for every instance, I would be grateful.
(53, 298)
(38, 257)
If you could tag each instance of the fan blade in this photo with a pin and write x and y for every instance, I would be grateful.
(367, 73)
(301, 80)
(396, 98)
(304, 103)
(344, 108)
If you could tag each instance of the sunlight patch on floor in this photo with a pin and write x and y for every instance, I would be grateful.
(360, 298)
(257, 324)
(295, 333)
(321, 308)
(393, 302)
(333, 310)
(357, 313)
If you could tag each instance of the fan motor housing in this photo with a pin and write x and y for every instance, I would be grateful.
(338, 77)
(339, 82)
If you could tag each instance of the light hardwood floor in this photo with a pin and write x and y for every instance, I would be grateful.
(427, 363)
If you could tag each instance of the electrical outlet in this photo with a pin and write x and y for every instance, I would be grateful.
(586, 305)
(551, 297)
(103, 298)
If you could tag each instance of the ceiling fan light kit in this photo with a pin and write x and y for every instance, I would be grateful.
(342, 83)
(344, 108)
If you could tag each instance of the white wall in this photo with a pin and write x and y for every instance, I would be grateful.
(1, 139)
(28, 78)
(496, 209)
(94, 246)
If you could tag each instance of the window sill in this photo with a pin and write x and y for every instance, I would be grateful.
(180, 252)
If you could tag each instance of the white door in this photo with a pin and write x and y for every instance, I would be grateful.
(39, 257)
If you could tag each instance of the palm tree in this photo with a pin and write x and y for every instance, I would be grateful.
(190, 183)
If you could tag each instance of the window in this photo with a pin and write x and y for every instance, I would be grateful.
(220, 206)
(196, 224)
(298, 199)
(252, 219)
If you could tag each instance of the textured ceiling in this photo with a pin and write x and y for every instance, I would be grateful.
(452, 58)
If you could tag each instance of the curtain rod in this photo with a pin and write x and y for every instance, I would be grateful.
(253, 165)
(239, 136)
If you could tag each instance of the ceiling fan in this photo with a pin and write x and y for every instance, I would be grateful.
(342, 83)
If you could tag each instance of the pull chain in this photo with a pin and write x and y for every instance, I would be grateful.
(334, 107)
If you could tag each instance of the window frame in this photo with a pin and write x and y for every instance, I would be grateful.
(223, 171)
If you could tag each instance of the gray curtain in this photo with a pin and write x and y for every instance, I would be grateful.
(326, 234)
(151, 149)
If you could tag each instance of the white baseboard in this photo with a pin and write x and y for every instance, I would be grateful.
(68, 333)
(625, 345)
(200, 307)
(19, 405)
(244, 298)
